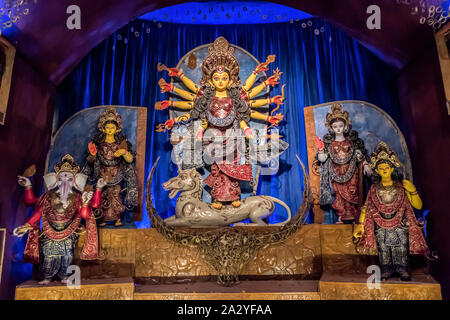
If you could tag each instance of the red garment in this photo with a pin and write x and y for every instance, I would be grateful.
(347, 193)
(29, 198)
(225, 187)
(224, 178)
(96, 199)
(220, 107)
(401, 207)
(73, 213)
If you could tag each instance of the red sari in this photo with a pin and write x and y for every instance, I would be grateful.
(346, 193)
(225, 176)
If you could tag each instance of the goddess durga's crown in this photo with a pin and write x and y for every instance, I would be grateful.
(337, 113)
(220, 59)
(67, 164)
(110, 114)
(383, 152)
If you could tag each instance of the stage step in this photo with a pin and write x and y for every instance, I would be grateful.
(245, 290)
(330, 287)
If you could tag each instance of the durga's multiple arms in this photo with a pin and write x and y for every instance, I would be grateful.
(273, 120)
(271, 81)
(174, 72)
(167, 87)
(171, 122)
(261, 67)
(262, 102)
(190, 97)
(185, 105)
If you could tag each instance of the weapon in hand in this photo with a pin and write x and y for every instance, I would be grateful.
(278, 104)
(22, 230)
(270, 59)
(162, 67)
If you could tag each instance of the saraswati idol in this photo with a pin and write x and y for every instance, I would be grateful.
(343, 162)
(220, 109)
(111, 158)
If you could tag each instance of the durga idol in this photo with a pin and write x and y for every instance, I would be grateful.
(221, 104)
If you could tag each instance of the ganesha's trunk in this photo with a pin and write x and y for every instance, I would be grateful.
(64, 190)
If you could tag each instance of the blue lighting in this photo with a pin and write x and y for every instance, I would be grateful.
(226, 12)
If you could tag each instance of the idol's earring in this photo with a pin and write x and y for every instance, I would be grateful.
(230, 85)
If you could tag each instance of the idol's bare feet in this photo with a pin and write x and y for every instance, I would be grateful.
(236, 203)
(217, 205)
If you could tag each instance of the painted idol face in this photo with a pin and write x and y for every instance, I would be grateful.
(110, 129)
(220, 80)
(338, 127)
(384, 170)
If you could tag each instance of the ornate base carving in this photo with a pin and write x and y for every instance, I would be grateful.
(354, 287)
(330, 287)
(116, 255)
(105, 289)
(315, 252)
(145, 253)
(299, 255)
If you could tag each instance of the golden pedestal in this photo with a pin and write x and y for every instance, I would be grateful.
(318, 262)
(354, 287)
(105, 289)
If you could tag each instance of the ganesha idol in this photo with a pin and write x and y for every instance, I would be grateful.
(61, 210)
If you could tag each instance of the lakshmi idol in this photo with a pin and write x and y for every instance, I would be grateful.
(61, 210)
(387, 219)
(221, 105)
(343, 162)
(111, 158)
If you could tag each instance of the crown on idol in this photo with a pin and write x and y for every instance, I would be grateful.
(337, 113)
(110, 114)
(67, 164)
(220, 59)
(384, 152)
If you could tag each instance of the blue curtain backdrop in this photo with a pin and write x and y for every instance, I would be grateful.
(319, 64)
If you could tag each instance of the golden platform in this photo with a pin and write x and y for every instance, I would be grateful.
(90, 289)
(318, 262)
